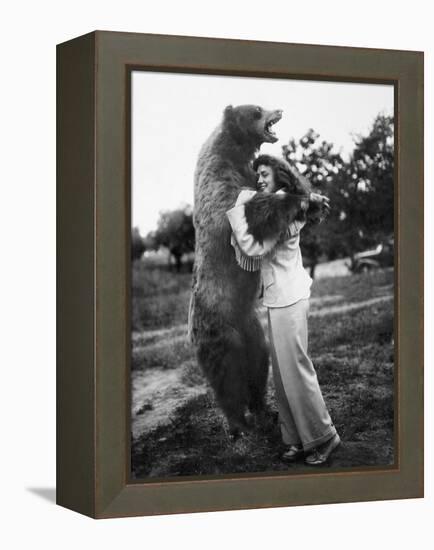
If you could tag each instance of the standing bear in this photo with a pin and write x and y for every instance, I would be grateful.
(223, 325)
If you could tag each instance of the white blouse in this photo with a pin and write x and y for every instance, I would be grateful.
(284, 278)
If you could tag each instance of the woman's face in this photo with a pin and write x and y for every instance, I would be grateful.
(266, 181)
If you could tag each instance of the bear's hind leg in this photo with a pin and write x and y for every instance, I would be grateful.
(258, 361)
(224, 362)
(232, 394)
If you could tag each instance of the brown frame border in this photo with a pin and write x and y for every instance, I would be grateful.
(93, 260)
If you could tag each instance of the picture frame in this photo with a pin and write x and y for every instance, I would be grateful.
(94, 235)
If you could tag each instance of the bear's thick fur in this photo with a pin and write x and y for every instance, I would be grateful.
(223, 325)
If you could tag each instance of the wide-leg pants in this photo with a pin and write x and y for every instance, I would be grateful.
(303, 414)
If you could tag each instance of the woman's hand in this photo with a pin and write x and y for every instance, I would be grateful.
(320, 200)
(319, 208)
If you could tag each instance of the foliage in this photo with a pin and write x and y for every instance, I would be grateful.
(364, 191)
(315, 159)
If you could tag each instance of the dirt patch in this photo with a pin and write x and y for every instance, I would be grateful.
(157, 393)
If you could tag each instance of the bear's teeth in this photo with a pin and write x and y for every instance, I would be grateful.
(269, 126)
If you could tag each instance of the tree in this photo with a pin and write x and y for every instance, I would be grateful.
(373, 169)
(360, 190)
(363, 193)
(175, 231)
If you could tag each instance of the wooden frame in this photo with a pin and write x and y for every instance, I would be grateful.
(93, 259)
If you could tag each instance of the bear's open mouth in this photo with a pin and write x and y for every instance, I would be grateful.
(271, 122)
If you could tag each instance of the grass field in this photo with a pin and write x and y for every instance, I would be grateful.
(177, 429)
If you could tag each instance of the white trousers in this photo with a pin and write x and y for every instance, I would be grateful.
(303, 414)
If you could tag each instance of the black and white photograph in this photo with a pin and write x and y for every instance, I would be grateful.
(262, 275)
(217, 235)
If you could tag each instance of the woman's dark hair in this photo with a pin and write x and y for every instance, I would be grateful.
(266, 160)
(274, 163)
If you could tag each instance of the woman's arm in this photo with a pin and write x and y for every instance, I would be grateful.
(245, 240)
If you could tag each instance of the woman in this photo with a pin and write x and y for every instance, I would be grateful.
(305, 423)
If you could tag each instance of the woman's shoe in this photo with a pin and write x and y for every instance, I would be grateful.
(321, 454)
(292, 453)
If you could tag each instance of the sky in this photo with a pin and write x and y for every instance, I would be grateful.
(173, 114)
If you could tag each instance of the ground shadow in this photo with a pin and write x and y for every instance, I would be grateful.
(47, 493)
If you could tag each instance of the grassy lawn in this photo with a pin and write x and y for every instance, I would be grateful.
(177, 428)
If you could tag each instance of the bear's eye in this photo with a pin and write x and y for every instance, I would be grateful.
(258, 113)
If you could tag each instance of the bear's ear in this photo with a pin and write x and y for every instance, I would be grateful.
(228, 112)
(231, 122)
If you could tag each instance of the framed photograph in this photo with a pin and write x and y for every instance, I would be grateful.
(240, 274)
